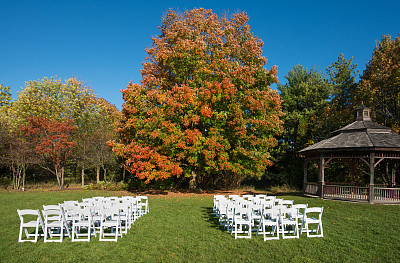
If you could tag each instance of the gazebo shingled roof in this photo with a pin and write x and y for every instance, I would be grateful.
(363, 139)
(359, 135)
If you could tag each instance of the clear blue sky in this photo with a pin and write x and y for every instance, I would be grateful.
(102, 42)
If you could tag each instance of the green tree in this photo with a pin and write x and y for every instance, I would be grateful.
(379, 86)
(204, 108)
(339, 111)
(305, 96)
(51, 99)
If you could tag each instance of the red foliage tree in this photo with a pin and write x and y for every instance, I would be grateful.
(53, 143)
(204, 108)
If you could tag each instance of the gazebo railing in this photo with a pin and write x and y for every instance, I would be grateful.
(352, 193)
(311, 188)
(355, 193)
(386, 195)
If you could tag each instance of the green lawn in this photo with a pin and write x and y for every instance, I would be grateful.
(184, 229)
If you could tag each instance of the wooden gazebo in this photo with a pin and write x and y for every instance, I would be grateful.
(362, 140)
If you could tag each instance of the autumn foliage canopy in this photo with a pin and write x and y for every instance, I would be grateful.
(53, 143)
(204, 107)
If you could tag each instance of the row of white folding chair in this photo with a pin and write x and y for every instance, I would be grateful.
(287, 221)
(127, 214)
(88, 217)
(53, 225)
(141, 202)
(88, 221)
(225, 214)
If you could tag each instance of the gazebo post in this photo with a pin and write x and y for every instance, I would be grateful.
(371, 178)
(321, 176)
(394, 167)
(305, 175)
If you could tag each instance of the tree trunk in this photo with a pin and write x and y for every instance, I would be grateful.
(98, 174)
(105, 172)
(58, 176)
(62, 177)
(23, 177)
(83, 176)
(193, 182)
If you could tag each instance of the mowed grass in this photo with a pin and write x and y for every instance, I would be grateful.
(184, 229)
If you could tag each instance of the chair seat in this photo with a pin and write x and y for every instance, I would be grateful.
(30, 224)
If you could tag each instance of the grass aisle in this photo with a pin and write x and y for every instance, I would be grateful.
(184, 229)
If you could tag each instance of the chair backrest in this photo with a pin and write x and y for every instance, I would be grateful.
(28, 212)
(314, 210)
(242, 213)
(261, 196)
(270, 197)
(268, 203)
(112, 213)
(301, 208)
(78, 213)
(287, 203)
(52, 215)
(271, 213)
(71, 202)
(95, 210)
(88, 200)
(291, 213)
(30, 215)
(51, 207)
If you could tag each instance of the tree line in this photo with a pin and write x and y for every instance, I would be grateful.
(203, 115)
(54, 126)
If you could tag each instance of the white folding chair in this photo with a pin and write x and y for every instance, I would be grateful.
(228, 216)
(144, 204)
(132, 202)
(29, 219)
(221, 211)
(124, 217)
(289, 222)
(269, 225)
(216, 200)
(96, 216)
(313, 216)
(54, 225)
(110, 225)
(301, 213)
(82, 225)
(58, 207)
(241, 226)
(256, 215)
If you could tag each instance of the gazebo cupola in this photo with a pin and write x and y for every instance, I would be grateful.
(362, 113)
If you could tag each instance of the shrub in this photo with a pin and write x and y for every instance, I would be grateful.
(4, 182)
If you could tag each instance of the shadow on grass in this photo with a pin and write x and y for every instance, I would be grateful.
(211, 218)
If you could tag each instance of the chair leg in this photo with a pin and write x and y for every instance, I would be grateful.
(36, 232)
(20, 233)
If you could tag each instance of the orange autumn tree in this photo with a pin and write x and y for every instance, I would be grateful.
(53, 143)
(204, 108)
